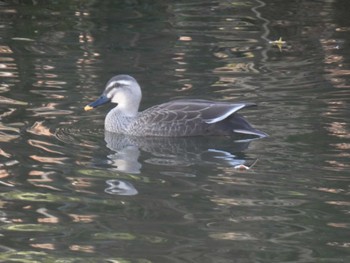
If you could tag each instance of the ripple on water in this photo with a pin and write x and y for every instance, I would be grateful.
(77, 135)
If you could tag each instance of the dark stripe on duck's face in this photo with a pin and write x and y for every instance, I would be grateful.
(117, 84)
(100, 101)
(110, 86)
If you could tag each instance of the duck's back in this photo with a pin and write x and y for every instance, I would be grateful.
(191, 118)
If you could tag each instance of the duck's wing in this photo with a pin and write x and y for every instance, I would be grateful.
(208, 111)
(184, 117)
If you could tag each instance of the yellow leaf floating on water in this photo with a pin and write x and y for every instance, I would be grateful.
(279, 43)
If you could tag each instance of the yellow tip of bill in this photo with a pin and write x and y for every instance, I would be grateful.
(87, 107)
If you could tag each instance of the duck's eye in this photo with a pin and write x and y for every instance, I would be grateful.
(117, 85)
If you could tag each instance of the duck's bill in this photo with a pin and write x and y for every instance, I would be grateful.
(100, 101)
(87, 107)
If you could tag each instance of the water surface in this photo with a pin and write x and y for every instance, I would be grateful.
(71, 193)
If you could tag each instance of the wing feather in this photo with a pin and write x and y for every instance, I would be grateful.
(210, 111)
(187, 117)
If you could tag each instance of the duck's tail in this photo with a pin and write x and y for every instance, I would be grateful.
(241, 126)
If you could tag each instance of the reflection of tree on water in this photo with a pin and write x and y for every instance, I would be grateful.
(164, 152)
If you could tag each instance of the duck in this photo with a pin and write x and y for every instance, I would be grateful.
(176, 118)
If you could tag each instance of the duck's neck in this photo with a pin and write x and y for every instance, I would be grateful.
(127, 104)
(126, 109)
(118, 121)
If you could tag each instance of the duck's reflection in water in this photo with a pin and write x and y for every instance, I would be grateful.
(119, 187)
(167, 151)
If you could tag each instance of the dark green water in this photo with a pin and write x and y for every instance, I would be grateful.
(70, 193)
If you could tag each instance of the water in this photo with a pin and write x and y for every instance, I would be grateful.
(71, 193)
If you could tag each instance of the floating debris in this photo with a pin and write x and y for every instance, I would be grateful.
(241, 167)
(22, 39)
(279, 43)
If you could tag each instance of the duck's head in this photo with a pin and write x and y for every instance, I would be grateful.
(123, 90)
